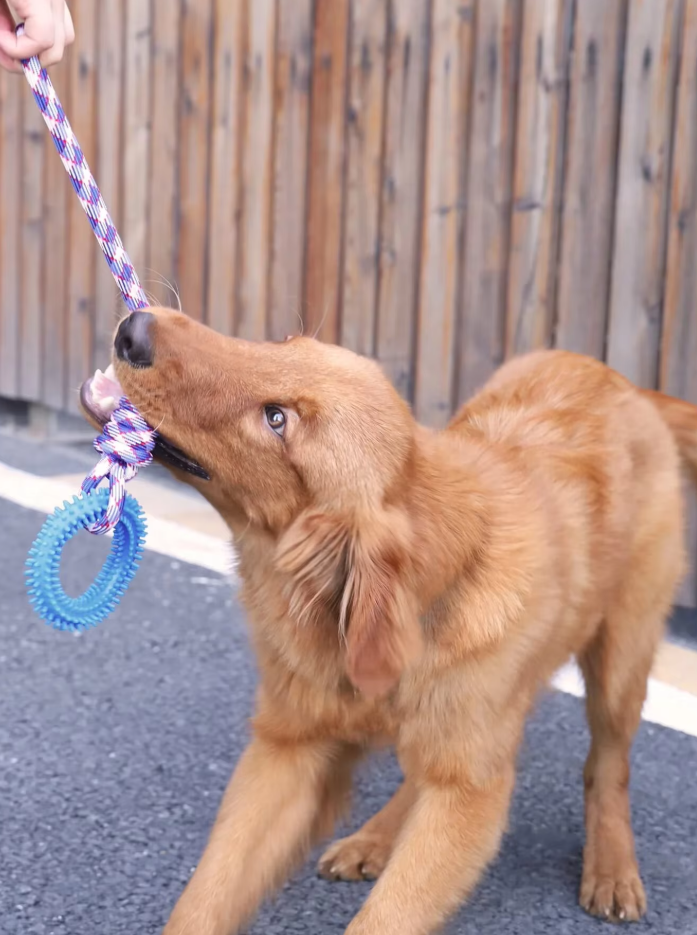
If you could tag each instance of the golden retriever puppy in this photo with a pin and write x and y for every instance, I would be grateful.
(416, 588)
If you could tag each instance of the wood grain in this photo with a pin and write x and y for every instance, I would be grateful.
(109, 306)
(589, 190)
(228, 70)
(160, 279)
(378, 167)
(538, 174)
(450, 75)
(257, 172)
(366, 101)
(678, 375)
(402, 186)
(636, 294)
(83, 249)
(489, 183)
(194, 114)
(137, 116)
(57, 191)
(292, 114)
(34, 139)
(326, 170)
(10, 211)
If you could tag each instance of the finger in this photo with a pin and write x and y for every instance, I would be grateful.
(7, 23)
(52, 56)
(7, 26)
(68, 27)
(55, 53)
(26, 45)
(9, 64)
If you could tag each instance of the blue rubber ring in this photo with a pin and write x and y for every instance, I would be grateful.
(43, 565)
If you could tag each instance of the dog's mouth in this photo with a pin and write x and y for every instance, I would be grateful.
(99, 396)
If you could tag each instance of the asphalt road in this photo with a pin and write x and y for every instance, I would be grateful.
(115, 748)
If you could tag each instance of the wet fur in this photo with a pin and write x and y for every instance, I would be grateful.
(417, 588)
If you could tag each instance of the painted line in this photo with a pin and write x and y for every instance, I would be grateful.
(163, 536)
(665, 705)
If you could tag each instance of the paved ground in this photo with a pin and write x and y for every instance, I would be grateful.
(115, 748)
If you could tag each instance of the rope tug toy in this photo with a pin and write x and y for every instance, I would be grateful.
(126, 442)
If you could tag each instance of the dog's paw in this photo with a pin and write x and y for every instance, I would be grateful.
(617, 900)
(358, 857)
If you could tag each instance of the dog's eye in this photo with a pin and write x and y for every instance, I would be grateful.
(276, 419)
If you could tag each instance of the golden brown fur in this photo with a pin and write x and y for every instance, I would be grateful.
(417, 588)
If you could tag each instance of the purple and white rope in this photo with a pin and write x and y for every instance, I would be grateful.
(84, 184)
(126, 443)
(127, 440)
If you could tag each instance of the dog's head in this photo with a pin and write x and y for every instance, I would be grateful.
(307, 441)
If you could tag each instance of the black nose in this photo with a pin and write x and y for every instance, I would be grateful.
(133, 341)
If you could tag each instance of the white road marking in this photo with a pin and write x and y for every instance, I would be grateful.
(163, 536)
(665, 705)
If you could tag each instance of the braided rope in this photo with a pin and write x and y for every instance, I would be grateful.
(127, 440)
(125, 445)
(84, 184)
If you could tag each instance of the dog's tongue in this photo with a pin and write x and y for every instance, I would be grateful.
(106, 389)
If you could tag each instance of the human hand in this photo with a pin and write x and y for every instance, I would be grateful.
(48, 29)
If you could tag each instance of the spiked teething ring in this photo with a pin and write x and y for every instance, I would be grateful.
(43, 565)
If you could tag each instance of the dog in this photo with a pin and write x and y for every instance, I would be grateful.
(416, 588)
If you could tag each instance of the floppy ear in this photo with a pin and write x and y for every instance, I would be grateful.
(313, 553)
(358, 567)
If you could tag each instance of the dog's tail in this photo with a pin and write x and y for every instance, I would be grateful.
(681, 419)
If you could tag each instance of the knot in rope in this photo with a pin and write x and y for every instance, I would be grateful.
(126, 444)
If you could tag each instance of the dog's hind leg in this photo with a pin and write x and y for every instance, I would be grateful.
(616, 667)
(363, 855)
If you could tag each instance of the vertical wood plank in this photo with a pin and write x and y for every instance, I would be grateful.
(197, 26)
(57, 191)
(639, 251)
(137, 132)
(293, 76)
(228, 65)
(446, 134)
(364, 174)
(489, 182)
(589, 189)
(326, 170)
(538, 174)
(678, 375)
(407, 83)
(162, 221)
(257, 172)
(10, 211)
(83, 251)
(32, 246)
(109, 306)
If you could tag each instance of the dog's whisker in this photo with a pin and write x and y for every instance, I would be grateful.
(322, 321)
(162, 280)
(145, 414)
(243, 533)
(156, 428)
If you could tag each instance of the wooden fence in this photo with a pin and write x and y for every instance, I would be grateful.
(437, 183)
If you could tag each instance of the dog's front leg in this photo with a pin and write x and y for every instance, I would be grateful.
(280, 797)
(451, 834)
